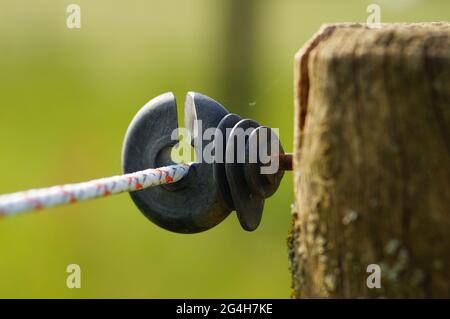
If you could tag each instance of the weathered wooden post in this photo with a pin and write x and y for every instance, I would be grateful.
(372, 162)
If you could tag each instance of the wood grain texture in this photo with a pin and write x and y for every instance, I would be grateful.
(372, 162)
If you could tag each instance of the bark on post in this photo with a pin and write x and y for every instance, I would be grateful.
(372, 162)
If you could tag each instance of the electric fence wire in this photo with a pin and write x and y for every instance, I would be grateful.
(37, 199)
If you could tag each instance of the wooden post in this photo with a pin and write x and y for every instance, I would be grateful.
(372, 162)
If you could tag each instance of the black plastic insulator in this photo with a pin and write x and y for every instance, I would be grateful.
(210, 191)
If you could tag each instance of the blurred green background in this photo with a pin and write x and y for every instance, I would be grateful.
(67, 97)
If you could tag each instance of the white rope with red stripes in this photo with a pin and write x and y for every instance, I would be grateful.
(37, 199)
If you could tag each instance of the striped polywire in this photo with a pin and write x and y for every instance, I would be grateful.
(37, 199)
